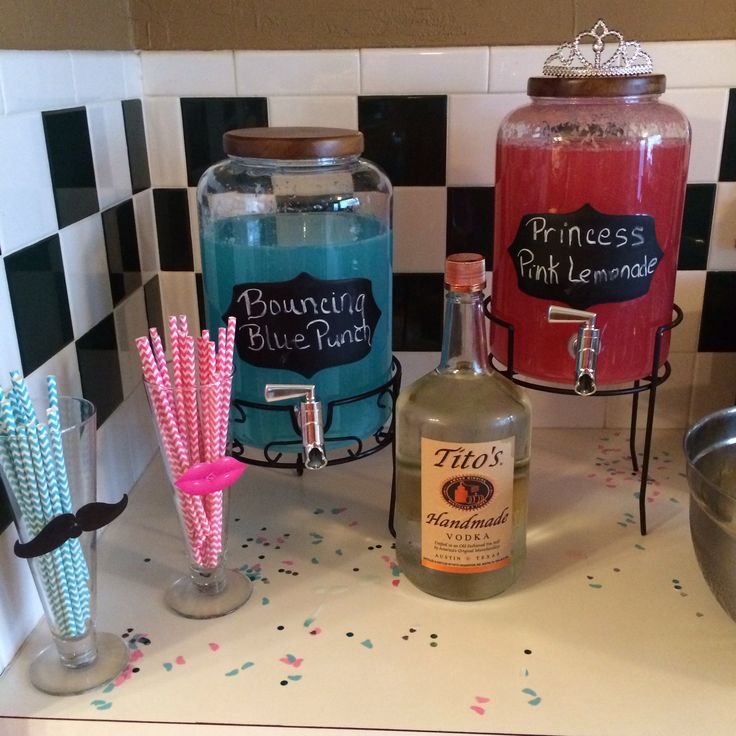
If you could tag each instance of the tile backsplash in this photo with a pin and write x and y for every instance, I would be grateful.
(101, 152)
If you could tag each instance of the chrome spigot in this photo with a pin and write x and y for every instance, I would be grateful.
(584, 347)
(308, 417)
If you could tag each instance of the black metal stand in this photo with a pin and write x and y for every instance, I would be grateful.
(274, 456)
(649, 383)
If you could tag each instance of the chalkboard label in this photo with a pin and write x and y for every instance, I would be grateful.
(585, 257)
(305, 324)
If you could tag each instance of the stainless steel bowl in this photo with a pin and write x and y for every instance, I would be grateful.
(710, 450)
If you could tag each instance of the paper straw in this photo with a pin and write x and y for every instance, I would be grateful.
(24, 399)
(79, 606)
(51, 565)
(159, 353)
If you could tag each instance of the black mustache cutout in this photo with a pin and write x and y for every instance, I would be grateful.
(89, 518)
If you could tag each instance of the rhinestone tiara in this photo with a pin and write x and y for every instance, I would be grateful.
(627, 59)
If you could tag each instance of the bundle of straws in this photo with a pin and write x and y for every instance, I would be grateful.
(32, 457)
(191, 404)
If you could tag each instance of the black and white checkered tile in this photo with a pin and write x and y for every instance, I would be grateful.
(98, 231)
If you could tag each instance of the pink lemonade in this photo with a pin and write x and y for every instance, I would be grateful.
(615, 178)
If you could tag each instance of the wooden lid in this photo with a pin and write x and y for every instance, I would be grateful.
(292, 143)
(634, 86)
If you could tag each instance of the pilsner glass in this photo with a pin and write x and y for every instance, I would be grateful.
(80, 658)
(209, 589)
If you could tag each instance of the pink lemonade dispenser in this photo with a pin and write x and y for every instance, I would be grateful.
(590, 188)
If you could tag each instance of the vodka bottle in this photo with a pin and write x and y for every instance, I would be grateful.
(462, 457)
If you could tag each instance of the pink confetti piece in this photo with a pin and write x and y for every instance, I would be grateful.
(214, 646)
(291, 660)
(481, 699)
(395, 583)
(180, 660)
(287, 562)
(476, 708)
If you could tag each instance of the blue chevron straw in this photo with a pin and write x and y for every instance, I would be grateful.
(34, 466)
(20, 390)
(62, 483)
(67, 549)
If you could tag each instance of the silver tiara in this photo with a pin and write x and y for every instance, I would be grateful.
(626, 59)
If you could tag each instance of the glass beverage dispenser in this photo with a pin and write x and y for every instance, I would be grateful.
(590, 187)
(296, 244)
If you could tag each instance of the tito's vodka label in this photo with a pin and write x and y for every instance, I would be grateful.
(467, 492)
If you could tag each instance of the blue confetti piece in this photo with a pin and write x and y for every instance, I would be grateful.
(535, 701)
(595, 585)
(638, 546)
(315, 561)
(295, 678)
(246, 665)
(318, 511)
(308, 622)
(338, 552)
(168, 666)
(109, 687)
(102, 704)
(265, 601)
(367, 643)
(232, 673)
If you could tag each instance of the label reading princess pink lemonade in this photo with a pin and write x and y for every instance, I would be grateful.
(467, 493)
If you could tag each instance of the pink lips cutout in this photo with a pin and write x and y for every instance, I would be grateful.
(205, 478)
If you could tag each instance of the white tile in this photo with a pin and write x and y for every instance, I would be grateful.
(420, 224)
(416, 364)
(36, 80)
(98, 76)
(131, 322)
(672, 403)
(132, 74)
(316, 110)
(689, 292)
(20, 606)
(194, 227)
(472, 126)
(297, 72)
(722, 251)
(9, 354)
(179, 296)
(188, 73)
(706, 111)
(554, 410)
(114, 470)
(165, 141)
(109, 152)
(695, 63)
(511, 66)
(145, 227)
(27, 211)
(714, 384)
(87, 274)
(424, 70)
(143, 443)
(65, 367)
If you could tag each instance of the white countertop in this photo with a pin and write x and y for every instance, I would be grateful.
(606, 633)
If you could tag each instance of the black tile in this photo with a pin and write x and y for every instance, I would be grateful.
(99, 368)
(717, 323)
(205, 121)
(70, 162)
(5, 515)
(696, 224)
(39, 300)
(728, 154)
(470, 221)
(407, 137)
(121, 244)
(172, 227)
(418, 311)
(154, 311)
(135, 137)
(200, 300)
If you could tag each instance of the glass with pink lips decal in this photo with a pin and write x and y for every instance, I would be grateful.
(190, 403)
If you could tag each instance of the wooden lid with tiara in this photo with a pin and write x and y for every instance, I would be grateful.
(465, 272)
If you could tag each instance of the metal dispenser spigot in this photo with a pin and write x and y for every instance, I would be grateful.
(308, 416)
(584, 347)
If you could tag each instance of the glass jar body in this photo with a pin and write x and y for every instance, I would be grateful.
(300, 252)
(589, 201)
